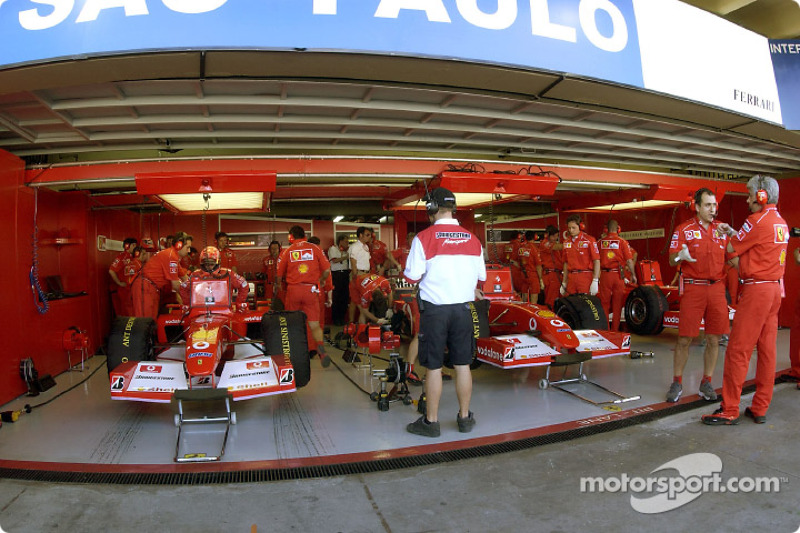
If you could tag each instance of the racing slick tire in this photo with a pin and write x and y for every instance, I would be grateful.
(644, 310)
(130, 339)
(581, 311)
(284, 332)
(480, 320)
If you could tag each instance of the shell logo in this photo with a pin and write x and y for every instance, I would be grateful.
(302, 269)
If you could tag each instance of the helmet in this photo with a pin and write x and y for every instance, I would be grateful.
(210, 259)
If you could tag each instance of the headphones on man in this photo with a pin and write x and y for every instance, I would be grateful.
(761, 194)
(431, 206)
(180, 240)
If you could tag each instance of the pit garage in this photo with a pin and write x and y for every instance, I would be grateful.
(333, 132)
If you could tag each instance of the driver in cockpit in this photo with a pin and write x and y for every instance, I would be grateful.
(211, 269)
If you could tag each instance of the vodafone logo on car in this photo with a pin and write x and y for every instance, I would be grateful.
(152, 369)
(491, 353)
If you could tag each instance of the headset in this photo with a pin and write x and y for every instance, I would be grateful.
(128, 243)
(431, 205)
(761, 194)
(180, 240)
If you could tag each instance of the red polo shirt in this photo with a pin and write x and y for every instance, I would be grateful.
(302, 262)
(614, 251)
(580, 252)
(761, 245)
(707, 246)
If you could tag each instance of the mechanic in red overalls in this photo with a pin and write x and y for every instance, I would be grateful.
(211, 268)
(615, 255)
(305, 269)
(366, 289)
(160, 273)
(139, 257)
(270, 268)
(379, 257)
(761, 247)
(118, 282)
(532, 267)
(326, 294)
(511, 256)
(401, 254)
(552, 265)
(699, 246)
(581, 260)
(229, 260)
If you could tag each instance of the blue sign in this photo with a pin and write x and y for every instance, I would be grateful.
(592, 38)
(786, 63)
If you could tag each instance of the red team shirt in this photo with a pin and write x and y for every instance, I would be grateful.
(377, 251)
(707, 246)
(614, 251)
(401, 255)
(163, 268)
(530, 253)
(363, 286)
(270, 267)
(228, 259)
(302, 262)
(765, 234)
(580, 252)
(118, 266)
(550, 259)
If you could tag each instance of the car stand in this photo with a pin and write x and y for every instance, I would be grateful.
(395, 373)
(582, 378)
(213, 421)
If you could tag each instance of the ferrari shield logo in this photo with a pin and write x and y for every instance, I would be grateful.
(781, 233)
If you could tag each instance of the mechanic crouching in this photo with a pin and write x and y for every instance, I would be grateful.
(211, 268)
(699, 245)
(761, 247)
(371, 291)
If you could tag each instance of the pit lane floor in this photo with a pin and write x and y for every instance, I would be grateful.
(331, 422)
(533, 489)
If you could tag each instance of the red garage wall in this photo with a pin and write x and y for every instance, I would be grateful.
(29, 333)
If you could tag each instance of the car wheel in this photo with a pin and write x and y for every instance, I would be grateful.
(130, 339)
(644, 310)
(286, 331)
(581, 311)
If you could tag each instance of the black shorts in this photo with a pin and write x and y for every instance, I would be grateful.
(445, 326)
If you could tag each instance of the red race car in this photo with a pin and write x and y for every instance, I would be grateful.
(202, 351)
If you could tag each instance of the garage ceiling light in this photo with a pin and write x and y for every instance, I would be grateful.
(645, 204)
(217, 202)
(210, 192)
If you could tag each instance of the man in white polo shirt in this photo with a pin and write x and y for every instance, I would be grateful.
(359, 256)
(447, 261)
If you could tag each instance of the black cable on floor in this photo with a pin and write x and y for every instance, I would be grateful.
(62, 393)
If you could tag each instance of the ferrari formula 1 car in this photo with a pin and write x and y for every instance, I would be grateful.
(515, 334)
(208, 346)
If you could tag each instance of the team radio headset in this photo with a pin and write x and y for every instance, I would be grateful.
(432, 206)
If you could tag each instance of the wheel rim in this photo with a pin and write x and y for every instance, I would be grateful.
(637, 312)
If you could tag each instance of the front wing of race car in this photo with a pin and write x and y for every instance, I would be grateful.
(157, 381)
(524, 350)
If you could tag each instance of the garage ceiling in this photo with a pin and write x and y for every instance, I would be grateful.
(220, 104)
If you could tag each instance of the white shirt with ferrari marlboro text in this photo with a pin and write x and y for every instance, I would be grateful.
(447, 261)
